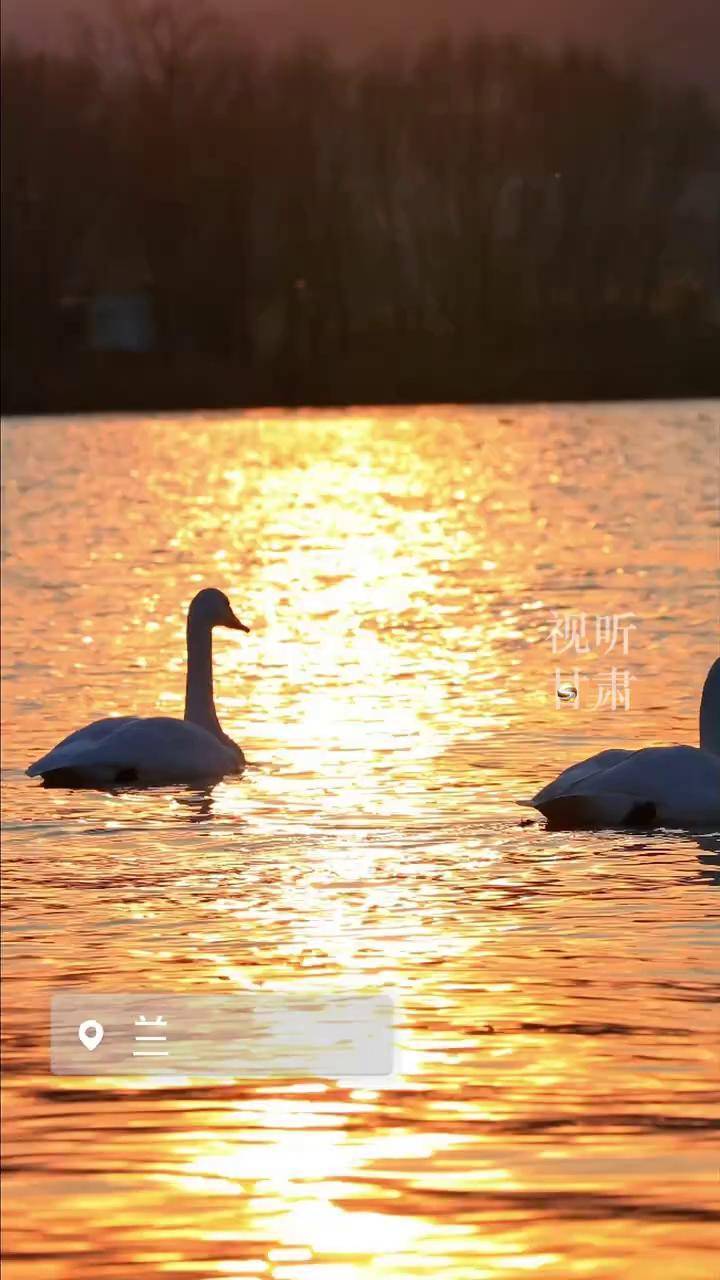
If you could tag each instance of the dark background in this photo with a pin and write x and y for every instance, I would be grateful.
(679, 36)
(203, 207)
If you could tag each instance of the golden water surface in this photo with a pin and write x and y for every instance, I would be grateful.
(554, 1102)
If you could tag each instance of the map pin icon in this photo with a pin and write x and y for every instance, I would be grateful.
(90, 1033)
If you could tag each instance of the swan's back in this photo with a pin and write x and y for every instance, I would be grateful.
(657, 786)
(576, 773)
(148, 750)
(90, 735)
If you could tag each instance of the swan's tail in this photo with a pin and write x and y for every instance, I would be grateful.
(79, 776)
(578, 812)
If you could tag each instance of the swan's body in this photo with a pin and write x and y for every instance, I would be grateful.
(155, 750)
(654, 787)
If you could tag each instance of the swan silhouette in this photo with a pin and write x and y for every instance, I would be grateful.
(654, 787)
(156, 750)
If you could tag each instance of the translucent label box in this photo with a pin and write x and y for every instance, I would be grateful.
(253, 1034)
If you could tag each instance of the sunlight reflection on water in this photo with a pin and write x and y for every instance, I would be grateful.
(395, 699)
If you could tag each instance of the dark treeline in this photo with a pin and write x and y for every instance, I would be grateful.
(488, 220)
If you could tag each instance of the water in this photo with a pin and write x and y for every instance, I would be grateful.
(554, 1112)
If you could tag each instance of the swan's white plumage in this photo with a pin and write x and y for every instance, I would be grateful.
(582, 772)
(147, 750)
(156, 749)
(656, 786)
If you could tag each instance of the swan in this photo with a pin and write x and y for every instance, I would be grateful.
(157, 749)
(654, 787)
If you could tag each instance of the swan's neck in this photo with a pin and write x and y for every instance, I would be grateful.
(199, 702)
(710, 737)
(710, 711)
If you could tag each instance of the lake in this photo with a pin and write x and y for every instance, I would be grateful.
(554, 1106)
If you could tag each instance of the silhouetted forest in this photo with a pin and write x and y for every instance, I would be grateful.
(186, 222)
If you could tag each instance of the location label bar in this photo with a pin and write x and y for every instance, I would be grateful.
(296, 1034)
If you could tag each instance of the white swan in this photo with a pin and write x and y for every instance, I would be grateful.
(655, 787)
(157, 749)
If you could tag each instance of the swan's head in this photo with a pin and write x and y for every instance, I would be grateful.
(710, 710)
(212, 608)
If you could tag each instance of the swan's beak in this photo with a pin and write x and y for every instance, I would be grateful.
(235, 624)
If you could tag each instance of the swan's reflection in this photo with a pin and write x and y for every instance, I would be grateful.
(711, 843)
(710, 859)
(196, 804)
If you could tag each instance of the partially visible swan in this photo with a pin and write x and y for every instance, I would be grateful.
(157, 749)
(655, 787)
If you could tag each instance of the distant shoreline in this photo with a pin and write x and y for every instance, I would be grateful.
(94, 383)
(488, 222)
